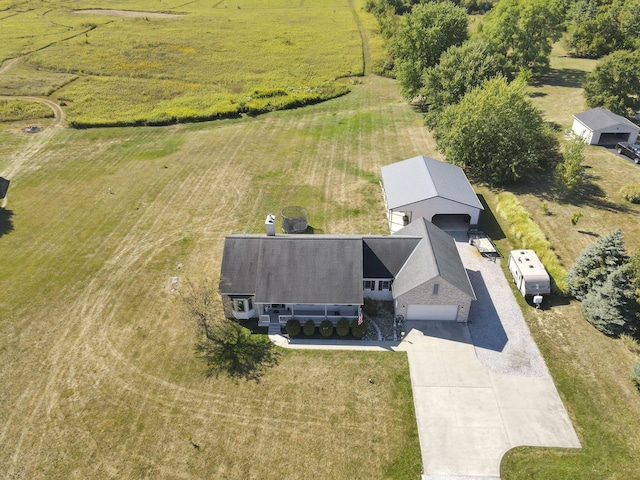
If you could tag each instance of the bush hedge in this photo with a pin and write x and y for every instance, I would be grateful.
(528, 235)
(326, 328)
(309, 328)
(358, 331)
(293, 327)
(631, 193)
(342, 328)
(635, 374)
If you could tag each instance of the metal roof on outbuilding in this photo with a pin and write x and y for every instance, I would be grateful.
(420, 178)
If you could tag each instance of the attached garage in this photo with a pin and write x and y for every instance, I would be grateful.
(599, 126)
(432, 312)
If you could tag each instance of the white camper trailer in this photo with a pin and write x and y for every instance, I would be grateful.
(528, 273)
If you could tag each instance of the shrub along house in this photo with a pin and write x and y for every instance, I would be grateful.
(275, 278)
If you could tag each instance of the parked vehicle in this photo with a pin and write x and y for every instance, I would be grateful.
(628, 150)
(528, 273)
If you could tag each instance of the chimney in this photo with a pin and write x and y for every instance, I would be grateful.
(270, 225)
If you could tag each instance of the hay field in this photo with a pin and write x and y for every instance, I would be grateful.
(208, 60)
(97, 372)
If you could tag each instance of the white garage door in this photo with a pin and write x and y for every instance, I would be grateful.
(432, 312)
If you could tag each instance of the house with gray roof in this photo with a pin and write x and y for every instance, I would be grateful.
(599, 126)
(328, 277)
(424, 187)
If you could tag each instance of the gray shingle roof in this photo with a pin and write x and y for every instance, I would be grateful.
(420, 178)
(329, 269)
(384, 256)
(598, 118)
(313, 269)
(435, 255)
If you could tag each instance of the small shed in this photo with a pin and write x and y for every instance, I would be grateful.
(600, 126)
(424, 187)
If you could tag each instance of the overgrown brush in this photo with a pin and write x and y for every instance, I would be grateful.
(526, 233)
(631, 193)
(15, 110)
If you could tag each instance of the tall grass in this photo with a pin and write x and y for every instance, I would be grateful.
(527, 234)
(13, 110)
(206, 63)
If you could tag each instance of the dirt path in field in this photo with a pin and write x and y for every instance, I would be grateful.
(22, 158)
(364, 37)
(127, 13)
(9, 64)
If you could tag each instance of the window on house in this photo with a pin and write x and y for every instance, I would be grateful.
(436, 287)
(238, 305)
(384, 285)
(249, 304)
(369, 284)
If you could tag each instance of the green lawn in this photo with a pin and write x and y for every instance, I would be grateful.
(98, 374)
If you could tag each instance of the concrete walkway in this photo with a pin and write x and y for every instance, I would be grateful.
(469, 416)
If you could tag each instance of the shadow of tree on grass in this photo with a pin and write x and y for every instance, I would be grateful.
(562, 77)
(587, 194)
(6, 224)
(233, 351)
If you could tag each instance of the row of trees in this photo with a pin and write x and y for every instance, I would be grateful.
(481, 117)
(472, 90)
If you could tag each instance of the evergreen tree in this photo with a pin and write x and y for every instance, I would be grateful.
(611, 307)
(596, 263)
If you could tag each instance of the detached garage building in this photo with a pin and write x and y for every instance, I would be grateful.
(424, 187)
(599, 126)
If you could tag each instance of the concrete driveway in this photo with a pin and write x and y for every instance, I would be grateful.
(483, 388)
(468, 416)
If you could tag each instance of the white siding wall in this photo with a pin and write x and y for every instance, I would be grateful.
(377, 294)
(582, 131)
(440, 206)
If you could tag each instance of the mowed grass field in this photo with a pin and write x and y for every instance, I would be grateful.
(208, 60)
(98, 378)
(97, 371)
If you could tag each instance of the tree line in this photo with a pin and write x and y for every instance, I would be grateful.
(472, 87)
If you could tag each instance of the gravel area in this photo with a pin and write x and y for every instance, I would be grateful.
(499, 332)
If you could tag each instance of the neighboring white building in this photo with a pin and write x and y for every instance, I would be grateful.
(425, 187)
(599, 126)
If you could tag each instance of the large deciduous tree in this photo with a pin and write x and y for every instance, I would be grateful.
(615, 83)
(525, 30)
(224, 345)
(602, 27)
(461, 69)
(422, 37)
(495, 133)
